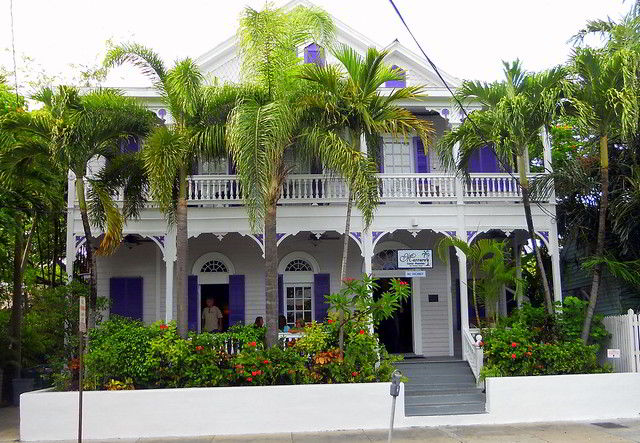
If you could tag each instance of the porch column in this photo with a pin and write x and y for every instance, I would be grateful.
(464, 296)
(554, 250)
(71, 239)
(367, 251)
(554, 247)
(169, 260)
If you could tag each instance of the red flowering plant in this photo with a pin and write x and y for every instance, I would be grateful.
(355, 304)
(532, 343)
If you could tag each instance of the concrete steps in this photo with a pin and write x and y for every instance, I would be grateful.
(445, 387)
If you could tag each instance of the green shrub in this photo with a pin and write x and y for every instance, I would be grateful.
(532, 342)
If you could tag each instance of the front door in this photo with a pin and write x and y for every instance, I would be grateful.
(220, 294)
(396, 332)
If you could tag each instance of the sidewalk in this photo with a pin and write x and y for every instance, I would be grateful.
(605, 432)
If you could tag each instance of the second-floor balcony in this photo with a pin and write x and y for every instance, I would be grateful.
(223, 190)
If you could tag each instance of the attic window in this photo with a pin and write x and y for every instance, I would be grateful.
(314, 54)
(397, 83)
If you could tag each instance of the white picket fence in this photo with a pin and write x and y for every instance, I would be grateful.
(625, 336)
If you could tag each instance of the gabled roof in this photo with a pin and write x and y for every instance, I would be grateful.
(418, 68)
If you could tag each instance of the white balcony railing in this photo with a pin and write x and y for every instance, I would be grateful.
(316, 188)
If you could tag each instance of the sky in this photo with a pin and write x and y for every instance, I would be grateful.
(465, 38)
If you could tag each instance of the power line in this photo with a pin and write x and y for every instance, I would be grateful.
(13, 53)
(464, 111)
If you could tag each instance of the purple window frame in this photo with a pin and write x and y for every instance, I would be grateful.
(397, 83)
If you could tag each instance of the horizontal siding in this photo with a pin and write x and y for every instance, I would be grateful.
(137, 261)
(613, 297)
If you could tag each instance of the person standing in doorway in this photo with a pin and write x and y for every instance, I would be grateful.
(211, 317)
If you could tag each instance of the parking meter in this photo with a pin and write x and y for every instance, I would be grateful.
(394, 391)
(395, 384)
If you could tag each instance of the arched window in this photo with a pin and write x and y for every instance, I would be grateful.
(397, 83)
(214, 266)
(385, 260)
(314, 54)
(299, 265)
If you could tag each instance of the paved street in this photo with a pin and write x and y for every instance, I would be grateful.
(610, 431)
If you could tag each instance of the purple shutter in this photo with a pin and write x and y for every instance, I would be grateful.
(397, 83)
(232, 166)
(484, 160)
(126, 297)
(281, 300)
(321, 287)
(131, 145)
(236, 299)
(314, 54)
(192, 303)
(421, 158)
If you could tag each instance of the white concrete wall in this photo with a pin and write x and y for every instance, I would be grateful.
(205, 411)
(276, 409)
(564, 397)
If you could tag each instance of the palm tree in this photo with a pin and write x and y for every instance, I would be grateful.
(264, 132)
(32, 188)
(514, 111)
(199, 113)
(349, 106)
(78, 129)
(605, 99)
(488, 269)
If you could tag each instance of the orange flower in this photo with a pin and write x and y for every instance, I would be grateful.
(329, 321)
(252, 344)
(163, 327)
(199, 348)
(361, 332)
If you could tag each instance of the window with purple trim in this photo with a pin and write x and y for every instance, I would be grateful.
(397, 83)
(314, 54)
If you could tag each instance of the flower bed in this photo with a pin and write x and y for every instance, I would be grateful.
(125, 354)
(531, 342)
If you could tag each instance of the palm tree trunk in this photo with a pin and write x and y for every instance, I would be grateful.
(182, 252)
(15, 325)
(20, 252)
(475, 300)
(602, 222)
(91, 248)
(526, 201)
(343, 266)
(271, 270)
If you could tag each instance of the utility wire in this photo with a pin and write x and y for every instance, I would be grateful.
(461, 106)
(13, 53)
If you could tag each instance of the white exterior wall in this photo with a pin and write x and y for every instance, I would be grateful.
(145, 260)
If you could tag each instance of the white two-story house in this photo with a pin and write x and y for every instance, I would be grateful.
(420, 203)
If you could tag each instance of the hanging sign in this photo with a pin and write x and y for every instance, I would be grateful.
(415, 274)
(415, 258)
(83, 315)
(613, 353)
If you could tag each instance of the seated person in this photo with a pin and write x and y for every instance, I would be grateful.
(282, 323)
